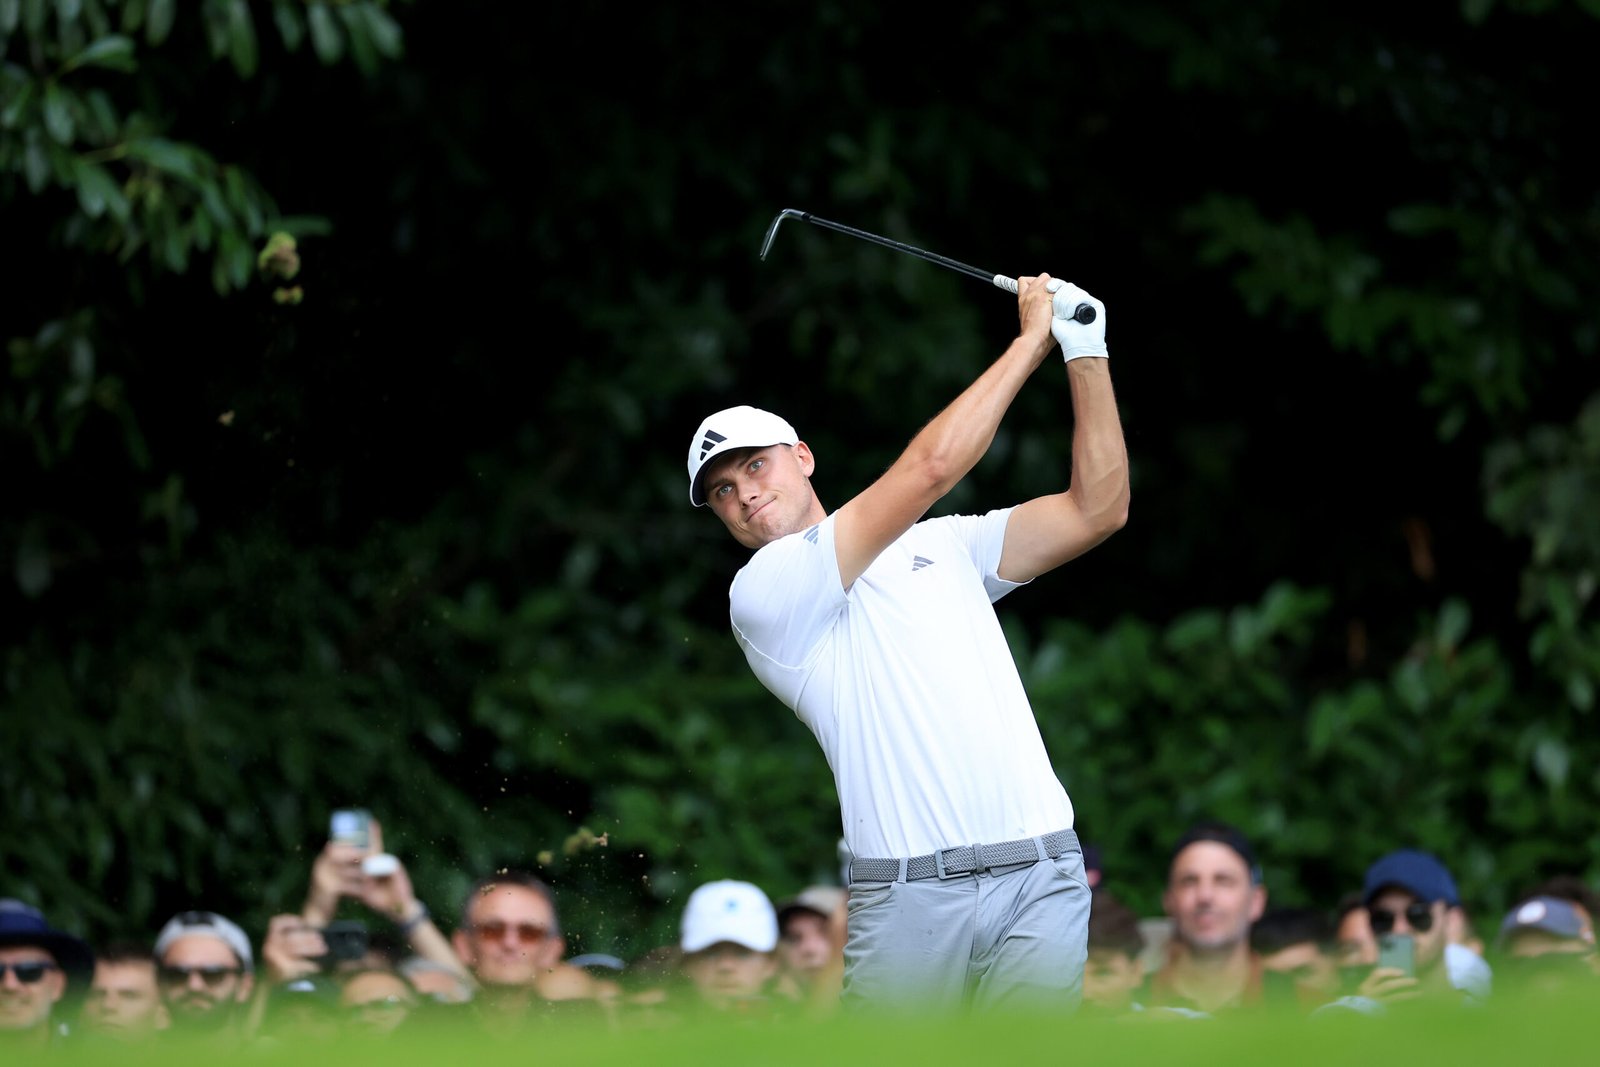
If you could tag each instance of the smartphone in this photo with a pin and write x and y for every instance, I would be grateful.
(1397, 951)
(346, 939)
(351, 826)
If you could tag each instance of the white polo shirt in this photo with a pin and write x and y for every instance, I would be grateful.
(907, 682)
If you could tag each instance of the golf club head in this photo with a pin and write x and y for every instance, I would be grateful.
(772, 230)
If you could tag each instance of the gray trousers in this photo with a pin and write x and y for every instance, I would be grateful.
(1014, 939)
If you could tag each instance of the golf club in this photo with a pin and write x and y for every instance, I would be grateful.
(1084, 314)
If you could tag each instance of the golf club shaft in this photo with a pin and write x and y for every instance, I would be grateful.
(1085, 312)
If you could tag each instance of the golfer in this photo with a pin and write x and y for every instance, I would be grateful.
(877, 628)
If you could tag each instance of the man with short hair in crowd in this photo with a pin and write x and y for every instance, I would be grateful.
(510, 940)
(207, 972)
(1214, 894)
(124, 1000)
(39, 966)
(811, 936)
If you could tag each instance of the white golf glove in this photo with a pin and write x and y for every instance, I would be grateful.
(1075, 338)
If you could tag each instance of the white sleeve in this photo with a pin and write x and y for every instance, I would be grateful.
(985, 539)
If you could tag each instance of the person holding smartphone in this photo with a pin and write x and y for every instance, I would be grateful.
(353, 865)
(1416, 916)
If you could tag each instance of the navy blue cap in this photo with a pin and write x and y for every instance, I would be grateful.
(1418, 873)
(1551, 915)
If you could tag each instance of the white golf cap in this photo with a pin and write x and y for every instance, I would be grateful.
(730, 428)
(729, 911)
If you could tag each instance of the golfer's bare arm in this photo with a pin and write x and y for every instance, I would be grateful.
(949, 446)
(1045, 532)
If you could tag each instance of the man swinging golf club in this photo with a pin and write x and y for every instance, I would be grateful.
(877, 627)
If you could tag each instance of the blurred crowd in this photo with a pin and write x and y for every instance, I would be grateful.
(500, 964)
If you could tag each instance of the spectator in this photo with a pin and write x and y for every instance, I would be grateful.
(299, 1011)
(436, 982)
(1411, 899)
(655, 992)
(345, 870)
(293, 952)
(811, 936)
(1572, 889)
(39, 966)
(1214, 893)
(1093, 869)
(124, 1000)
(510, 940)
(378, 1000)
(1115, 971)
(1546, 944)
(1355, 947)
(1299, 967)
(729, 938)
(207, 973)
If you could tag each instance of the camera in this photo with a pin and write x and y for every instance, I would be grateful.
(346, 940)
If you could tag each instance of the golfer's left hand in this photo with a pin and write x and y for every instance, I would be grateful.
(1076, 339)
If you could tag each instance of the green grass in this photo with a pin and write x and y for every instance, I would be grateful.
(1511, 1031)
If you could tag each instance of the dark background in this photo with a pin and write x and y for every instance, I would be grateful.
(420, 541)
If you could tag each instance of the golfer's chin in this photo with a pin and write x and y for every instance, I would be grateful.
(763, 528)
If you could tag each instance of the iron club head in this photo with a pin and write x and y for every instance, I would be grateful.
(772, 230)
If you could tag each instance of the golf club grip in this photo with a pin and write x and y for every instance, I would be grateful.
(1084, 314)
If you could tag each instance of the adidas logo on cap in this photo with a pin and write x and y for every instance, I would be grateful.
(713, 439)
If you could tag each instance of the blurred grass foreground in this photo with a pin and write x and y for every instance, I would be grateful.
(1546, 1030)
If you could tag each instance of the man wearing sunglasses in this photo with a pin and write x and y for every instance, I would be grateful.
(38, 965)
(1415, 911)
(510, 940)
(206, 971)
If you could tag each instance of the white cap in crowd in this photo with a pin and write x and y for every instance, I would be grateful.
(210, 924)
(729, 911)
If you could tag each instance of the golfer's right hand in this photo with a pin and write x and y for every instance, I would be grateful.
(1075, 338)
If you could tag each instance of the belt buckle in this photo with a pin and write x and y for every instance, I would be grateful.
(978, 866)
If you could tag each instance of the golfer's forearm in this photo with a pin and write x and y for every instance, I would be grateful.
(1099, 453)
(956, 439)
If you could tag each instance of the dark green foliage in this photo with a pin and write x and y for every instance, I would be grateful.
(406, 526)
